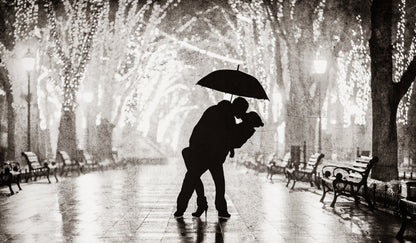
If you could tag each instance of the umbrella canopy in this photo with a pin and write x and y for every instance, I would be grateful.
(234, 82)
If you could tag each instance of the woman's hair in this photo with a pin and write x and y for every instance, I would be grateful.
(253, 119)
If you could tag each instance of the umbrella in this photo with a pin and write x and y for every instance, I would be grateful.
(234, 82)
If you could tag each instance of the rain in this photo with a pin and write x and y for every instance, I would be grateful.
(98, 99)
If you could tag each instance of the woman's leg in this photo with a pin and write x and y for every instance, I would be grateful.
(199, 186)
(199, 189)
(192, 178)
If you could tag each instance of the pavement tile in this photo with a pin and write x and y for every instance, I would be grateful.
(137, 205)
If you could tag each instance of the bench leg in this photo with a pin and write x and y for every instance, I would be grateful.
(47, 175)
(18, 181)
(293, 185)
(334, 186)
(310, 179)
(9, 183)
(28, 176)
(367, 198)
(334, 200)
(324, 191)
(316, 179)
(288, 180)
(403, 227)
(54, 173)
(404, 221)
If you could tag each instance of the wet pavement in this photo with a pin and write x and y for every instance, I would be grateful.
(137, 205)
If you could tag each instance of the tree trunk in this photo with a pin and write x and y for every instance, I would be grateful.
(384, 100)
(10, 154)
(67, 139)
(295, 117)
(384, 136)
(105, 142)
(411, 128)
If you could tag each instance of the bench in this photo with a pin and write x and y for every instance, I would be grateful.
(116, 160)
(255, 163)
(87, 161)
(36, 168)
(68, 165)
(307, 172)
(9, 173)
(407, 211)
(277, 166)
(348, 181)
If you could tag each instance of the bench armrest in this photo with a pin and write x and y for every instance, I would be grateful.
(341, 172)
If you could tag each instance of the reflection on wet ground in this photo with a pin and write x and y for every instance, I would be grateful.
(136, 205)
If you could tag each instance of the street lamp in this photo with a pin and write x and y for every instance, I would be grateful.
(320, 68)
(28, 65)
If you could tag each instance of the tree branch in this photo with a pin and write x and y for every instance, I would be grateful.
(406, 80)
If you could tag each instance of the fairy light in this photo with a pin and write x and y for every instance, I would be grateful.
(81, 34)
(26, 19)
(354, 93)
(317, 22)
(401, 60)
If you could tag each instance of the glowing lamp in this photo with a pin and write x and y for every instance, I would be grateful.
(29, 61)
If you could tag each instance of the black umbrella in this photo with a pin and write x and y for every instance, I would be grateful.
(234, 82)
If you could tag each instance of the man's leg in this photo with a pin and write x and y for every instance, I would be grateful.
(217, 173)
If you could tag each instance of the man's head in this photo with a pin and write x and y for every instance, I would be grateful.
(240, 106)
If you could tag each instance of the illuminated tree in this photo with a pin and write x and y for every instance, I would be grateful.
(386, 93)
(73, 45)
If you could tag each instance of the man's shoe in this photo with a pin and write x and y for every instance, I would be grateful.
(178, 214)
(224, 215)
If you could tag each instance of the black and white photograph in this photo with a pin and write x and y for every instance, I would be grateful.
(207, 121)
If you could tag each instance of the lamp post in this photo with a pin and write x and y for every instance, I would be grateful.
(29, 65)
(319, 69)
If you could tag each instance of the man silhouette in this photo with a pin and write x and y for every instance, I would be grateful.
(209, 144)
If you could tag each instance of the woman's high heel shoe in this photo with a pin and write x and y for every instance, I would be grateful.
(200, 210)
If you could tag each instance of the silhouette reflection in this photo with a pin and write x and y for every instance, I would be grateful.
(196, 231)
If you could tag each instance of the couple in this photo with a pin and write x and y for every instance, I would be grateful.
(214, 136)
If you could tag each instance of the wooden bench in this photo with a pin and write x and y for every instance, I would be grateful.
(254, 163)
(68, 165)
(36, 168)
(278, 166)
(348, 181)
(87, 161)
(116, 160)
(407, 212)
(305, 172)
(9, 173)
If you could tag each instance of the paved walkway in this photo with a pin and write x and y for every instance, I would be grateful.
(136, 205)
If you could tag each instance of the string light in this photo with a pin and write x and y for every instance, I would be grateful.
(317, 22)
(354, 93)
(80, 37)
(401, 61)
(26, 19)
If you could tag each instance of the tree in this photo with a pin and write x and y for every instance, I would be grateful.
(385, 93)
(83, 19)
